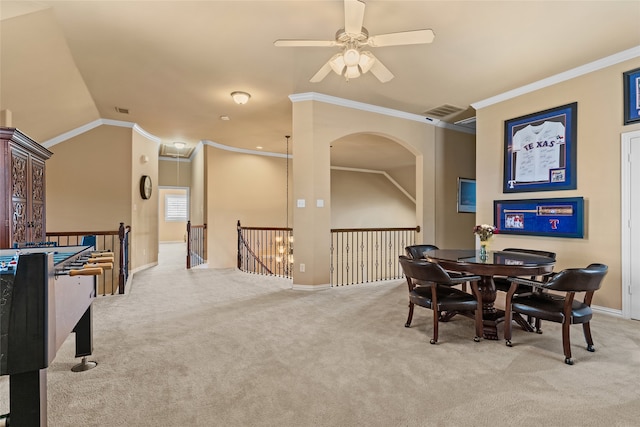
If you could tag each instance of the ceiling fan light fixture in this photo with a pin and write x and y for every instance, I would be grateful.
(366, 61)
(351, 57)
(240, 98)
(337, 63)
(352, 72)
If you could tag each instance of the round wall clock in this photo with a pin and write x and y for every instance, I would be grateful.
(145, 186)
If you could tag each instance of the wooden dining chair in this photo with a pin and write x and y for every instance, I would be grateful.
(502, 283)
(419, 251)
(431, 286)
(560, 306)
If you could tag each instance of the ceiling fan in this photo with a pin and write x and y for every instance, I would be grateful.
(352, 61)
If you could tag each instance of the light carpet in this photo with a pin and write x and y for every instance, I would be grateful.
(208, 347)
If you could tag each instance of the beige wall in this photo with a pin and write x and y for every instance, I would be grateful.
(455, 158)
(244, 187)
(144, 217)
(89, 181)
(174, 173)
(197, 208)
(367, 200)
(599, 125)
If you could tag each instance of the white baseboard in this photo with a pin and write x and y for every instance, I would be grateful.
(310, 287)
(607, 310)
(203, 265)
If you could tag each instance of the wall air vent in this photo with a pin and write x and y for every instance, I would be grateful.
(122, 110)
(443, 111)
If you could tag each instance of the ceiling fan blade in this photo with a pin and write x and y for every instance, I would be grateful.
(405, 37)
(353, 16)
(381, 72)
(322, 73)
(305, 43)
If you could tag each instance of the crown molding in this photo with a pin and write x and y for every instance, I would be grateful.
(625, 55)
(146, 134)
(94, 124)
(327, 99)
(355, 105)
(244, 150)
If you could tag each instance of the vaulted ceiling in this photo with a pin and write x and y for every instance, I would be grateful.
(173, 64)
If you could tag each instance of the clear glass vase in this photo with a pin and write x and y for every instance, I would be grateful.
(483, 251)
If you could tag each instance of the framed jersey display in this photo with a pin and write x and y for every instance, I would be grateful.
(540, 151)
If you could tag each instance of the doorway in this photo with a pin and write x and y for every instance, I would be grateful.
(173, 214)
(630, 230)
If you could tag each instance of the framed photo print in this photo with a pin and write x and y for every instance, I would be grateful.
(466, 195)
(540, 151)
(631, 96)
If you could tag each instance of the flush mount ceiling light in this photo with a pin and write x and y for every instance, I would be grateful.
(240, 98)
(179, 145)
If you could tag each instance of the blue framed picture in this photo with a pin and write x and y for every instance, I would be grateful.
(466, 195)
(556, 217)
(631, 96)
(540, 151)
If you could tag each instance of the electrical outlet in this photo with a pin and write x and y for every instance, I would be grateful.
(302, 268)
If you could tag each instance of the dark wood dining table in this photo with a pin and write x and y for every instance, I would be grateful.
(496, 263)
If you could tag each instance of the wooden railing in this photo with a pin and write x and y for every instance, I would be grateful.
(196, 244)
(117, 241)
(358, 255)
(265, 250)
(361, 255)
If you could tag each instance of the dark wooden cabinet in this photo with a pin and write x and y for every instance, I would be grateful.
(22, 188)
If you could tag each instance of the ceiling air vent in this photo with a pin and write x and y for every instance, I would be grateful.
(122, 110)
(443, 111)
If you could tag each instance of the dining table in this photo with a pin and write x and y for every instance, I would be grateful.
(494, 263)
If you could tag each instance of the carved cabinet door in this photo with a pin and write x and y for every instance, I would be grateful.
(27, 197)
(37, 229)
(19, 195)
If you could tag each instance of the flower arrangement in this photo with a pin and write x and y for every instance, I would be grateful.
(484, 231)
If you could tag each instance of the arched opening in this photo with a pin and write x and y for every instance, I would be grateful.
(373, 182)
